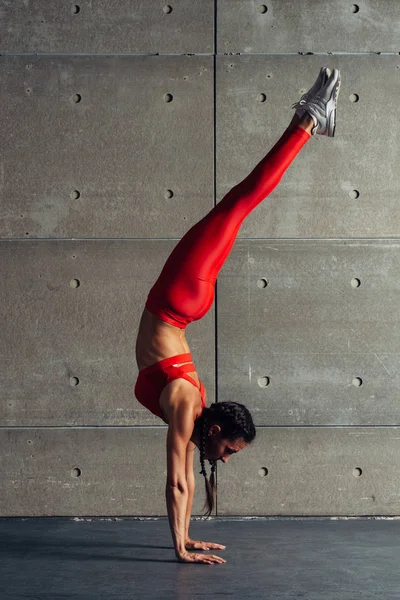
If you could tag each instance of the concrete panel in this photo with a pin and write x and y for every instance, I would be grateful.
(273, 26)
(87, 471)
(314, 471)
(125, 26)
(295, 350)
(54, 334)
(94, 146)
(317, 197)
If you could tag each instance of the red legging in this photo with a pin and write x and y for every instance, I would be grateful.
(184, 291)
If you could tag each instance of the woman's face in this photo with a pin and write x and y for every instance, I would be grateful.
(219, 448)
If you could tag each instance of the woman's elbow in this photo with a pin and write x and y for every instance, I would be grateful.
(177, 485)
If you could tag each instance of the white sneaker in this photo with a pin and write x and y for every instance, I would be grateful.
(320, 102)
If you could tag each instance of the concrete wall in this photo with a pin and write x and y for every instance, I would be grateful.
(121, 126)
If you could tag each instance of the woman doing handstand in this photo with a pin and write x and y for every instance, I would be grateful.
(168, 384)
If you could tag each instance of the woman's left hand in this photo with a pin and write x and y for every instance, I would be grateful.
(197, 545)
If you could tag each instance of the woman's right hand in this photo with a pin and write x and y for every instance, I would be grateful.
(193, 557)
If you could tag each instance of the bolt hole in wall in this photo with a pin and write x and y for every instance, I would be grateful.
(265, 381)
(263, 8)
(263, 283)
(76, 9)
(167, 9)
(263, 472)
(30, 442)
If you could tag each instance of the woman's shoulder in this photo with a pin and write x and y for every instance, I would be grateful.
(179, 398)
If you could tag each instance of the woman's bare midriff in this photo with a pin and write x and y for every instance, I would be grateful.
(157, 340)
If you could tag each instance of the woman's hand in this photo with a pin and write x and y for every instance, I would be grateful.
(192, 557)
(196, 545)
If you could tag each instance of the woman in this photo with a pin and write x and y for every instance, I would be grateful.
(168, 384)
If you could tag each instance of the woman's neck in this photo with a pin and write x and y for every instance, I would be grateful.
(196, 435)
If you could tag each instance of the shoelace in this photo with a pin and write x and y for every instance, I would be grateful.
(316, 100)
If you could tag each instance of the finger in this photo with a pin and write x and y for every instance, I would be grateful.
(217, 559)
(207, 560)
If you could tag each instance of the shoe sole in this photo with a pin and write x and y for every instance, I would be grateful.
(332, 116)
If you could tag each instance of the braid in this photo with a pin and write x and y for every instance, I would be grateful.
(210, 485)
(236, 422)
(203, 447)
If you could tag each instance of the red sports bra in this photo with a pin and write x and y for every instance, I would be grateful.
(152, 380)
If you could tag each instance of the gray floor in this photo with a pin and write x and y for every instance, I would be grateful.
(53, 558)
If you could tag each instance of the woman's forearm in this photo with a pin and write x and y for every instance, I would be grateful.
(189, 510)
(177, 500)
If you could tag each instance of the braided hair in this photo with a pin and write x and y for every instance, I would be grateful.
(236, 422)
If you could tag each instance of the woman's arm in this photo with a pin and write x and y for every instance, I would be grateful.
(180, 430)
(190, 485)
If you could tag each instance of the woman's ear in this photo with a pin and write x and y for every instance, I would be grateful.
(214, 430)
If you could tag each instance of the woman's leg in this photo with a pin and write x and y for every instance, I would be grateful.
(184, 291)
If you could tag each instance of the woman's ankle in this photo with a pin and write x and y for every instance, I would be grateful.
(306, 122)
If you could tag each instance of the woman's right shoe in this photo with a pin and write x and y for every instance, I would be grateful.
(320, 102)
